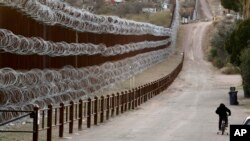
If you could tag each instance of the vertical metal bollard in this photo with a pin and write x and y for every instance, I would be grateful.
(71, 117)
(122, 102)
(108, 107)
(155, 88)
(136, 97)
(154, 93)
(61, 120)
(162, 85)
(148, 91)
(89, 113)
(126, 101)
(80, 115)
(158, 88)
(164, 82)
(151, 90)
(141, 93)
(129, 99)
(49, 123)
(96, 110)
(113, 105)
(133, 99)
(102, 109)
(117, 104)
(43, 119)
(35, 123)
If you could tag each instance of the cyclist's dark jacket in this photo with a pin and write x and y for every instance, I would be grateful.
(223, 111)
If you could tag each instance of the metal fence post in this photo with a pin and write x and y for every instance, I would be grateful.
(96, 110)
(61, 120)
(122, 102)
(148, 91)
(89, 113)
(136, 97)
(129, 99)
(126, 101)
(80, 114)
(108, 107)
(102, 109)
(49, 123)
(35, 123)
(133, 99)
(151, 90)
(71, 117)
(113, 105)
(117, 103)
(144, 93)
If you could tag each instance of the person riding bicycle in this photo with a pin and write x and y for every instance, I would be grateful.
(223, 113)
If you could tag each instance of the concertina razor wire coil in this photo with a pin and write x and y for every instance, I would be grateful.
(20, 90)
(18, 44)
(54, 12)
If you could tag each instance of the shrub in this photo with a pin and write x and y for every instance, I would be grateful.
(218, 63)
(230, 69)
(213, 53)
(234, 5)
(245, 70)
(218, 54)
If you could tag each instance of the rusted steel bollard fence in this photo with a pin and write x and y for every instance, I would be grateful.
(76, 114)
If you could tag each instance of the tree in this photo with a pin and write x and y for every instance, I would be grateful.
(238, 41)
(234, 5)
(245, 70)
(238, 46)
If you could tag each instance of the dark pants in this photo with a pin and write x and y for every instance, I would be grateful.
(220, 121)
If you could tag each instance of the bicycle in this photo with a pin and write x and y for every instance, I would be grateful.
(223, 128)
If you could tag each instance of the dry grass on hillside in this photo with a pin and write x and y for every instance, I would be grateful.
(160, 18)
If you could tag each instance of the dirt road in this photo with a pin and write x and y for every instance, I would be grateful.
(205, 9)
